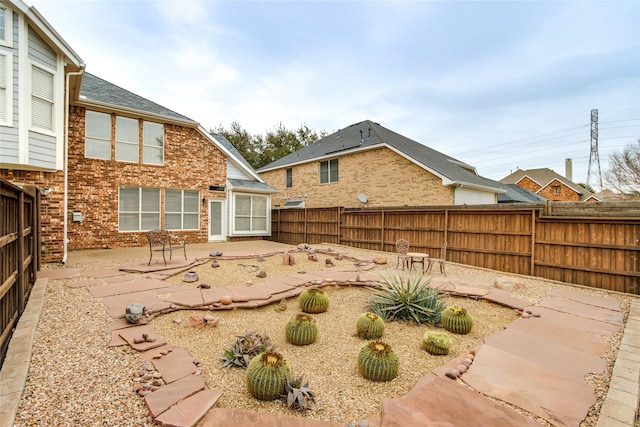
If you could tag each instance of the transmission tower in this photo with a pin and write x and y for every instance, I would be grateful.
(594, 157)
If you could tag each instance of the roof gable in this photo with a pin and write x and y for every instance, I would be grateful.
(545, 177)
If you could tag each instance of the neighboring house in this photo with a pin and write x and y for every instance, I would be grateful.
(117, 164)
(550, 185)
(516, 194)
(366, 164)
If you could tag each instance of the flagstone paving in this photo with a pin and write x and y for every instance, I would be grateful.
(532, 363)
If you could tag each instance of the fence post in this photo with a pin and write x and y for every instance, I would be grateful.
(382, 234)
(20, 263)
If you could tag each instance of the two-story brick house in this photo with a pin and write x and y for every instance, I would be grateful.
(110, 164)
(550, 185)
(368, 164)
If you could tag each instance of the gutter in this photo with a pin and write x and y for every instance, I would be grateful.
(65, 222)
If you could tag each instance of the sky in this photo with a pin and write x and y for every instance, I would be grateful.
(500, 85)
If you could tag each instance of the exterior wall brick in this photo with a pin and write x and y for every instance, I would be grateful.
(529, 184)
(191, 162)
(387, 179)
(558, 191)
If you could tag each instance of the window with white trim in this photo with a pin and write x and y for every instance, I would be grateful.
(153, 143)
(250, 214)
(97, 142)
(6, 30)
(3, 24)
(138, 209)
(127, 139)
(329, 171)
(182, 209)
(42, 98)
(5, 93)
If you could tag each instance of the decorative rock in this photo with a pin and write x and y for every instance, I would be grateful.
(214, 254)
(339, 257)
(260, 258)
(204, 286)
(470, 356)
(303, 246)
(262, 274)
(214, 322)
(461, 368)
(190, 276)
(329, 262)
(157, 356)
(312, 257)
(453, 374)
(380, 259)
(226, 300)
(525, 315)
(467, 362)
(508, 284)
(215, 264)
(249, 282)
(156, 382)
(363, 423)
(197, 321)
(209, 317)
(134, 312)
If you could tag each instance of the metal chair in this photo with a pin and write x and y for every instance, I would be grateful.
(441, 261)
(402, 247)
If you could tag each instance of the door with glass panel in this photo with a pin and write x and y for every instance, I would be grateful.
(216, 220)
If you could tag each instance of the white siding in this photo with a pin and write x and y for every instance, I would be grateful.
(42, 150)
(470, 196)
(234, 172)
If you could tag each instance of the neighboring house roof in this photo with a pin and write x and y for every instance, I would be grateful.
(517, 194)
(545, 176)
(368, 135)
(97, 91)
(245, 184)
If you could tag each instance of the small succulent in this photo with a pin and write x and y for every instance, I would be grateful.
(313, 300)
(299, 396)
(267, 375)
(370, 326)
(436, 343)
(457, 320)
(245, 348)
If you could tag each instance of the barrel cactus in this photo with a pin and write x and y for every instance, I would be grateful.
(378, 362)
(436, 343)
(457, 320)
(314, 300)
(267, 375)
(301, 329)
(369, 325)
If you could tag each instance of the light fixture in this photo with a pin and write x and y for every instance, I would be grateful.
(45, 191)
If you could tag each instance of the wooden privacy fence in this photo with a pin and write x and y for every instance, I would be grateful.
(19, 257)
(546, 241)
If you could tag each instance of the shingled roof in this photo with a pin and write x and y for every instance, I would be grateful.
(95, 90)
(368, 135)
(543, 177)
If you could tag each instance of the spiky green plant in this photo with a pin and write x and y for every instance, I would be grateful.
(407, 297)
(314, 300)
(267, 375)
(369, 326)
(299, 396)
(436, 343)
(301, 329)
(378, 362)
(457, 320)
(245, 348)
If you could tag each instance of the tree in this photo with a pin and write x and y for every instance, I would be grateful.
(261, 150)
(624, 170)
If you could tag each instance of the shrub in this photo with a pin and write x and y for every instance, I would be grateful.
(245, 348)
(407, 297)
(267, 375)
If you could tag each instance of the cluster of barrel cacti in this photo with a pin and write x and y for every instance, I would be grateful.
(369, 326)
(301, 329)
(313, 300)
(377, 361)
(436, 343)
(457, 320)
(267, 375)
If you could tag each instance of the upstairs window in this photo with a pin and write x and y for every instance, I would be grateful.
(289, 177)
(127, 139)
(182, 209)
(3, 24)
(41, 99)
(153, 143)
(329, 171)
(5, 95)
(97, 143)
(6, 35)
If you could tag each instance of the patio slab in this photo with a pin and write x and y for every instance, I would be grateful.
(130, 334)
(170, 394)
(136, 285)
(505, 298)
(583, 310)
(190, 410)
(609, 303)
(101, 273)
(116, 305)
(59, 273)
(574, 321)
(222, 417)
(175, 365)
(84, 283)
(253, 292)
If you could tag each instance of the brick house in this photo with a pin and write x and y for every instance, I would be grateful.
(110, 164)
(550, 185)
(368, 164)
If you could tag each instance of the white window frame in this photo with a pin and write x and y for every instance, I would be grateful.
(140, 212)
(181, 212)
(148, 144)
(123, 143)
(330, 177)
(7, 38)
(252, 214)
(93, 139)
(7, 89)
(51, 102)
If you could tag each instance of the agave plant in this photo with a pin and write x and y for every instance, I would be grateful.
(299, 395)
(407, 297)
(245, 348)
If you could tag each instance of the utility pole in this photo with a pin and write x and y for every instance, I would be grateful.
(594, 157)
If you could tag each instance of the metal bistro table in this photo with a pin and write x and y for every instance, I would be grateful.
(417, 258)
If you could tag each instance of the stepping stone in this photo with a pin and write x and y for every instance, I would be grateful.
(116, 305)
(574, 321)
(254, 292)
(213, 295)
(505, 298)
(223, 417)
(138, 285)
(470, 291)
(609, 303)
(336, 275)
(170, 394)
(99, 273)
(560, 399)
(582, 310)
(436, 401)
(59, 273)
(123, 323)
(189, 411)
(118, 279)
(130, 334)
(175, 365)
(186, 297)
(116, 340)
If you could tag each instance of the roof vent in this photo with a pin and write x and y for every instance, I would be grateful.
(361, 137)
(369, 132)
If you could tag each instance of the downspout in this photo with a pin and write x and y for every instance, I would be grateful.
(65, 223)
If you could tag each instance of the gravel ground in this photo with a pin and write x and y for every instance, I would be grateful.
(76, 380)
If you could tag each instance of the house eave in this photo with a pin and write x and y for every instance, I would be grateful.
(463, 184)
(111, 108)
